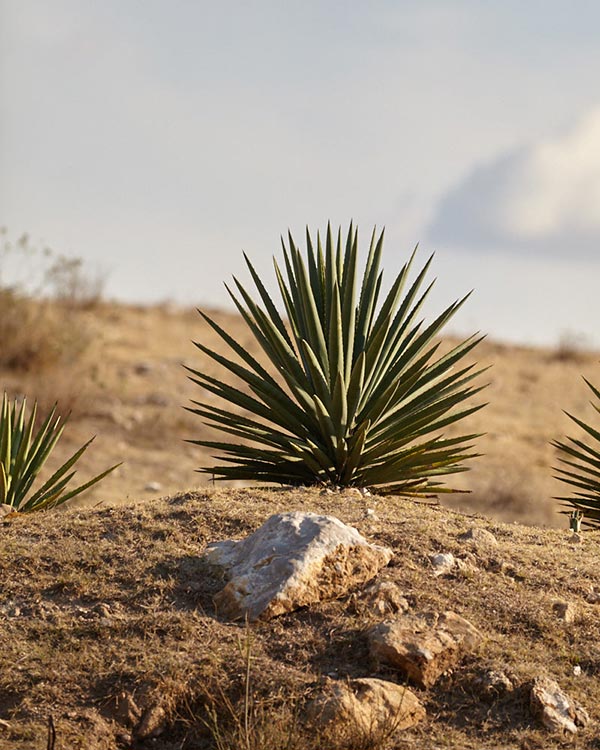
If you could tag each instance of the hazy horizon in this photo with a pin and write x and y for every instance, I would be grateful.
(159, 141)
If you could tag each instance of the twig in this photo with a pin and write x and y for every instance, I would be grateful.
(51, 734)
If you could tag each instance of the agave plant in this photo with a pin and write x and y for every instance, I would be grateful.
(583, 469)
(354, 396)
(23, 453)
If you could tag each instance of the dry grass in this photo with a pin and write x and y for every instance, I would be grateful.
(107, 615)
(129, 388)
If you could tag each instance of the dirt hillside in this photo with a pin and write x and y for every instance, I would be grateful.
(107, 621)
(129, 388)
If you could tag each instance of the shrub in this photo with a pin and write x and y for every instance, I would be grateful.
(39, 290)
(23, 453)
(355, 396)
(583, 472)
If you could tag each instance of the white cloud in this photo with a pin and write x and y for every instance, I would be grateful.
(540, 198)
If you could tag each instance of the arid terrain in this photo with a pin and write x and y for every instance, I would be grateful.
(129, 388)
(106, 608)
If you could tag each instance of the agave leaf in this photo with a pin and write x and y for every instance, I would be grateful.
(336, 337)
(580, 468)
(368, 293)
(314, 330)
(24, 452)
(3, 485)
(361, 398)
(272, 311)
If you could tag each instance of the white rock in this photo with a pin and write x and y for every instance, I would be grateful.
(443, 563)
(556, 711)
(153, 487)
(294, 559)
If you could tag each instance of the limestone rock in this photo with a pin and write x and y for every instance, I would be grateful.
(593, 596)
(153, 722)
(370, 706)
(566, 611)
(294, 559)
(423, 646)
(492, 684)
(383, 598)
(126, 711)
(479, 538)
(443, 563)
(554, 709)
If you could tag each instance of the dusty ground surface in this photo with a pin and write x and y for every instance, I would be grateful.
(107, 616)
(106, 610)
(129, 388)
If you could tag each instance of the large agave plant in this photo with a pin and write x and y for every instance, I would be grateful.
(354, 395)
(23, 453)
(581, 468)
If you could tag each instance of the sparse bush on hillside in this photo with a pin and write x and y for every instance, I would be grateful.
(39, 290)
(357, 397)
(583, 468)
(24, 452)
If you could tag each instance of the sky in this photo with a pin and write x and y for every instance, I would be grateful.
(158, 139)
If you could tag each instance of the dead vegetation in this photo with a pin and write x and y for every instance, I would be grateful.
(108, 626)
(129, 388)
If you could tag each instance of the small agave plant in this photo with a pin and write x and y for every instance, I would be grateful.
(354, 396)
(24, 451)
(581, 470)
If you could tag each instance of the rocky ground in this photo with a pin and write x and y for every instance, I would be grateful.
(111, 632)
(111, 627)
(129, 388)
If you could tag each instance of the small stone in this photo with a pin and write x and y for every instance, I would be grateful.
(384, 598)
(593, 596)
(423, 646)
(153, 723)
(5, 510)
(492, 684)
(577, 670)
(126, 710)
(102, 609)
(443, 563)
(143, 368)
(565, 611)
(369, 705)
(554, 709)
(153, 487)
(479, 537)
